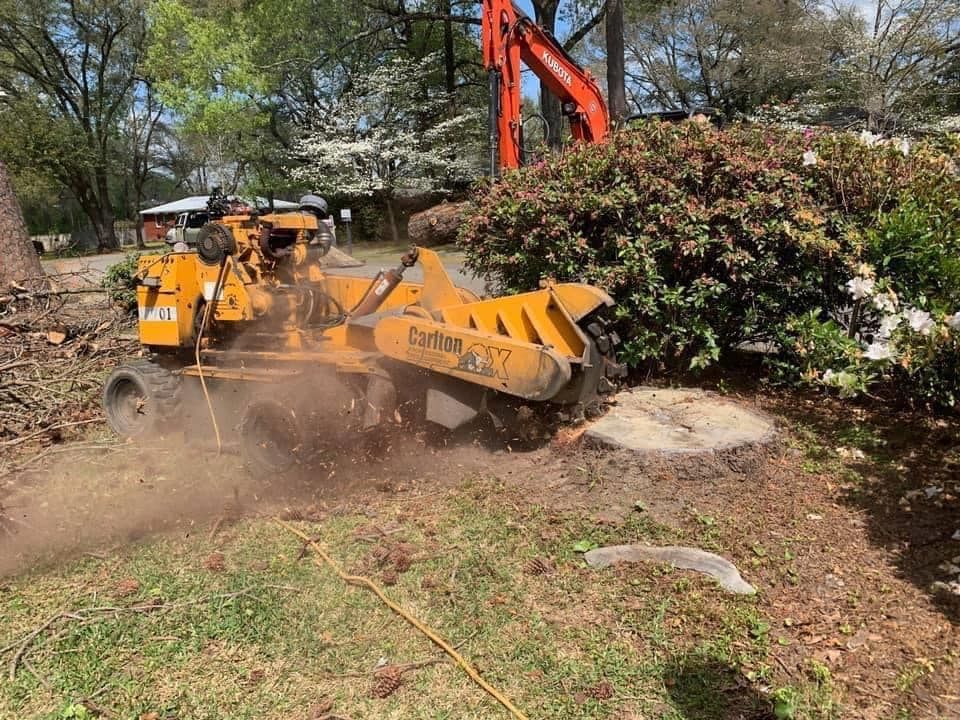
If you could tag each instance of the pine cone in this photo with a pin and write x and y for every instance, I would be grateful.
(386, 680)
(400, 557)
(601, 691)
(539, 566)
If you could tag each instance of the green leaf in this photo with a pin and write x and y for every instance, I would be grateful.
(582, 546)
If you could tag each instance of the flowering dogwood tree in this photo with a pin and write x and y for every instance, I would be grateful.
(389, 131)
(891, 55)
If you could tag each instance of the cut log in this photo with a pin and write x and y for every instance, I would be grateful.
(437, 225)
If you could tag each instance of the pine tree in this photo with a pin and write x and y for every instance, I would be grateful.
(19, 261)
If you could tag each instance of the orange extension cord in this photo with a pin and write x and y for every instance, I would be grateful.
(436, 639)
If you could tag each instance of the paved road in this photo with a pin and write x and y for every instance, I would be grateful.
(93, 267)
(457, 273)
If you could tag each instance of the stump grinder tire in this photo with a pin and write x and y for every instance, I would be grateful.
(271, 437)
(138, 397)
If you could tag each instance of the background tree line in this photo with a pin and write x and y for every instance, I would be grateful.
(108, 105)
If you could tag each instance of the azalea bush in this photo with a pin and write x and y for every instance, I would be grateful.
(705, 238)
(709, 238)
(886, 345)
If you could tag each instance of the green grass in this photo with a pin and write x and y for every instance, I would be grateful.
(669, 644)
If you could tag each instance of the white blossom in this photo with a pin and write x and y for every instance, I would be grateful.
(827, 377)
(878, 351)
(920, 321)
(388, 131)
(860, 287)
(868, 138)
(904, 146)
(953, 321)
(885, 302)
(810, 157)
(888, 324)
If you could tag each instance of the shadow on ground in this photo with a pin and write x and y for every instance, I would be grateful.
(908, 490)
(702, 689)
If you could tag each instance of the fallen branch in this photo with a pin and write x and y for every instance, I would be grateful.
(98, 614)
(399, 667)
(40, 294)
(54, 356)
(17, 441)
(72, 447)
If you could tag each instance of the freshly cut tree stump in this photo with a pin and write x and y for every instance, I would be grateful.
(437, 225)
(694, 433)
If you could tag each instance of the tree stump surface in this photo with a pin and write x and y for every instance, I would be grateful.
(696, 432)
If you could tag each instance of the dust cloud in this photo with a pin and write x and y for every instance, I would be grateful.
(93, 496)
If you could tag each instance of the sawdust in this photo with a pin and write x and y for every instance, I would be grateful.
(100, 492)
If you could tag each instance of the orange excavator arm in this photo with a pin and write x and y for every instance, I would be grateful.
(509, 37)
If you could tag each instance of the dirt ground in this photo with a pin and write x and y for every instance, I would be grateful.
(847, 526)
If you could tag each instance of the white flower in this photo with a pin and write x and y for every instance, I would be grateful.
(904, 147)
(868, 138)
(878, 351)
(953, 321)
(920, 321)
(860, 287)
(888, 325)
(827, 377)
(810, 157)
(885, 302)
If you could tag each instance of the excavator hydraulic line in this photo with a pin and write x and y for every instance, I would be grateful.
(494, 122)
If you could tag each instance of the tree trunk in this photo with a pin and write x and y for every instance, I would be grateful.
(545, 12)
(104, 230)
(438, 225)
(141, 240)
(449, 60)
(616, 75)
(392, 220)
(103, 222)
(18, 258)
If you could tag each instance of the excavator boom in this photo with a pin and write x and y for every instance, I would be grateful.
(509, 37)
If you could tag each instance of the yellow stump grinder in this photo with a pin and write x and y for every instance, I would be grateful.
(294, 354)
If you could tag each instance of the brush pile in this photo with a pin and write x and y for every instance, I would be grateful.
(56, 347)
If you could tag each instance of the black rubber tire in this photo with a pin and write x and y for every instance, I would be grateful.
(138, 397)
(214, 243)
(271, 437)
